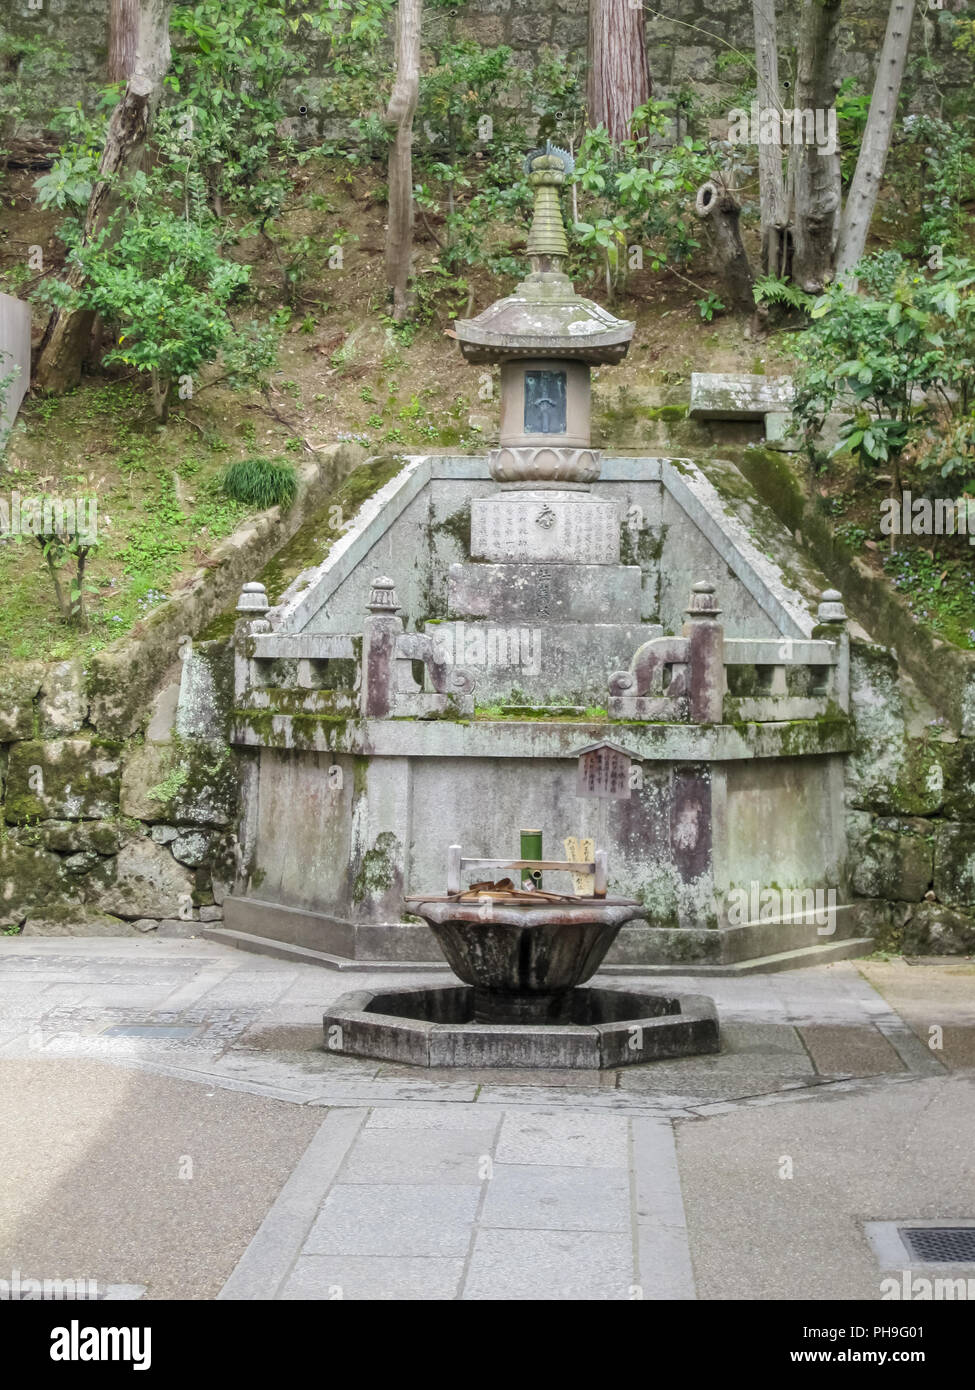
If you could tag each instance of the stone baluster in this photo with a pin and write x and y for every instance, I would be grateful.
(831, 624)
(252, 605)
(705, 659)
(382, 629)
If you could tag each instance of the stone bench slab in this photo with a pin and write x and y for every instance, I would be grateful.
(730, 396)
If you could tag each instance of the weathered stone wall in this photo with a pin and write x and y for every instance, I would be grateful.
(911, 818)
(691, 46)
(115, 806)
(103, 834)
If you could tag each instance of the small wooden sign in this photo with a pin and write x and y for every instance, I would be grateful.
(581, 851)
(604, 770)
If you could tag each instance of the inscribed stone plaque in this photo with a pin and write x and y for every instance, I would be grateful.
(545, 402)
(544, 526)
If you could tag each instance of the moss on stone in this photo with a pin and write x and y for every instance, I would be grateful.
(458, 527)
(315, 537)
(379, 869)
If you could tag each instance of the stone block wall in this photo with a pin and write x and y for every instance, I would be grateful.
(691, 46)
(911, 817)
(106, 834)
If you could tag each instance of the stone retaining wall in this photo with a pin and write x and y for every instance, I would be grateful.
(691, 46)
(118, 809)
(105, 835)
(911, 817)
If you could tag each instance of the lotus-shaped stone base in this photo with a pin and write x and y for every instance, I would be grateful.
(524, 961)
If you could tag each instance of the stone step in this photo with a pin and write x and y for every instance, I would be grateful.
(284, 950)
(801, 958)
(503, 593)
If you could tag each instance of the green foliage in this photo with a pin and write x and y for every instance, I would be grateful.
(69, 183)
(899, 357)
(458, 93)
(161, 282)
(639, 190)
(224, 131)
(261, 482)
(62, 545)
(709, 306)
(945, 182)
(219, 127)
(938, 591)
(770, 289)
(852, 109)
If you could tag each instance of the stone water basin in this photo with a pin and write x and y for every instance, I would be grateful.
(522, 960)
(523, 1001)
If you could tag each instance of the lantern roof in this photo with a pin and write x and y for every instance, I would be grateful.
(544, 317)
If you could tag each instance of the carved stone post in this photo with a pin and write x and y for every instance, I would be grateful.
(381, 630)
(705, 637)
(252, 605)
(831, 625)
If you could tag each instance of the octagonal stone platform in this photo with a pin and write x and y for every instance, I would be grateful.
(434, 1027)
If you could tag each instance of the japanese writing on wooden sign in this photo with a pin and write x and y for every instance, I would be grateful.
(604, 771)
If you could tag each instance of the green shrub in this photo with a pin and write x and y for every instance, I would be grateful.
(261, 482)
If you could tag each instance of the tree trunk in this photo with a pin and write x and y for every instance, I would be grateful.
(862, 197)
(817, 186)
(719, 210)
(123, 39)
(771, 183)
(66, 336)
(399, 116)
(619, 70)
(161, 389)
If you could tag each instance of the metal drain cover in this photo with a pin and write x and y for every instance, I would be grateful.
(940, 1245)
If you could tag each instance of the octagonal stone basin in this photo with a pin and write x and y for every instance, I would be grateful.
(524, 961)
(605, 1027)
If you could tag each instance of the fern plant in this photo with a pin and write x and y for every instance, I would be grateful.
(771, 289)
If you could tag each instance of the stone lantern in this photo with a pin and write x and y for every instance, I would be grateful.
(546, 339)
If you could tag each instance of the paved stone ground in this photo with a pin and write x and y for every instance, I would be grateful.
(170, 1120)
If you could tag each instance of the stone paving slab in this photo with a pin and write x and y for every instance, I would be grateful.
(857, 1051)
(492, 1186)
(444, 1157)
(374, 1278)
(572, 1140)
(405, 1219)
(534, 1196)
(448, 1116)
(549, 1265)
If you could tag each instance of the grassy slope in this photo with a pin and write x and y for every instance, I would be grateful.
(341, 371)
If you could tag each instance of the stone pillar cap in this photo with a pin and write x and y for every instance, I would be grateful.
(382, 597)
(253, 598)
(704, 604)
(831, 608)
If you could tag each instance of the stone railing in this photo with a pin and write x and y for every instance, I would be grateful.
(702, 677)
(339, 674)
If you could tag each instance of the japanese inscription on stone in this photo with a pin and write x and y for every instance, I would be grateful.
(516, 529)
